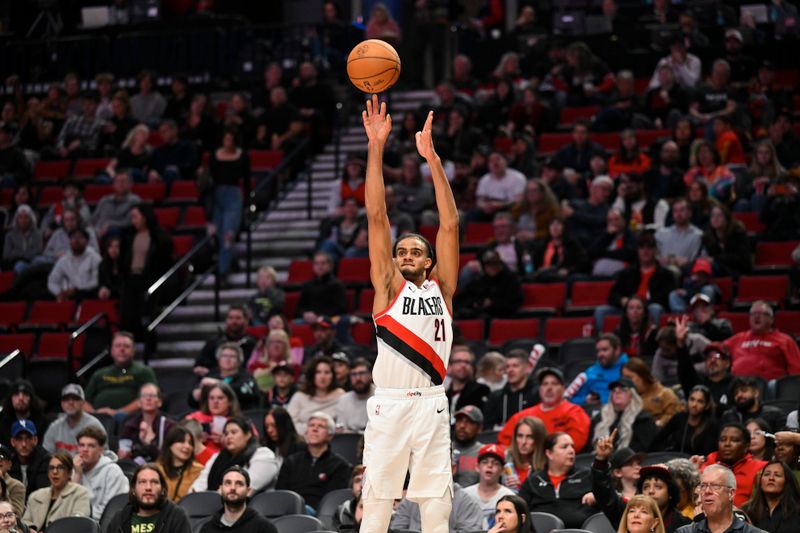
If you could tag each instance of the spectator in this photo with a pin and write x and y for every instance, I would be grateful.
(146, 428)
(351, 185)
(488, 491)
(704, 322)
(117, 126)
(134, 154)
(554, 411)
(236, 322)
(21, 403)
(585, 218)
(110, 275)
(543, 490)
(323, 295)
(531, 113)
(613, 249)
(316, 470)
(641, 212)
(629, 159)
(773, 505)
(271, 353)
(75, 275)
(177, 462)
(235, 490)
(241, 448)
(319, 393)
(666, 100)
(13, 165)
(647, 279)
(280, 126)
(325, 335)
(229, 166)
(268, 299)
(661, 13)
(175, 159)
(511, 249)
(338, 235)
(415, 195)
(765, 170)
(149, 508)
(30, 460)
(180, 100)
(218, 403)
(280, 435)
(622, 106)
(13, 490)
(734, 440)
(114, 390)
(659, 401)
(680, 243)
(761, 447)
(526, 453)
(726, 242)
(147, 105)
(346, 513)
(763, 351)
(577, 154)
(714, 98)
(625, 413)
(780, 211)
(519, 392)
(635, 331)
(747, 404)
(62, 498)
(58, 244)
(112, 213)
(199, 126)
(718, 177)
(462, 389)
(553, 174)
(230, 370)
(468, 423)
(498, 189)
(687, 477)
(592, 385)
(96, 471)
(80, 135)
(314, 101)
(728, 145)
(686, 67)
(381, 25)
(491, 371)
(559, 255)
(699, 283)
(584, 80)
(70, 201)
(666, 179)
(700, 202)
(743, 66)
(694, 431)
(641, 513)
(23, 241)
(351, 407)
(495, 292)
(784, 140)
(717, 364)
(63, 433)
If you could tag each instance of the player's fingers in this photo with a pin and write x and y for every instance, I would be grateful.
(364, 116)
(389, 121)
(369, 107)
(383, 109)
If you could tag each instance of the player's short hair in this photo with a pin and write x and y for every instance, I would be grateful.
(428, 248)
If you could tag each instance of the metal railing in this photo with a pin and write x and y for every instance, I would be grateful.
(83, 330)
(13, 363)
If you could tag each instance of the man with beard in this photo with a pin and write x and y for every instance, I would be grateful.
(747, 404)
(235, 515)
(76, 274)
(666, 179)
(351, 407)
(520, 392)
(21, 404)
(149, 510)
(463, 390)
(30, 461)
(469, 422)
(236, 322)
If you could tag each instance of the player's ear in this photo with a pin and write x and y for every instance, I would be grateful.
(428, 263)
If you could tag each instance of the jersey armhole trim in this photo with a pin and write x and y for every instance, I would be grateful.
(376, 316)
(450, 311)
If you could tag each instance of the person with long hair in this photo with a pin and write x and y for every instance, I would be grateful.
(559, 488)
(560, 255)
(133, 155)
(700, 203)
(635, 331)
(61, 499)
(585, 79)
(241, 448)
(687, 478)
(218, 402)
(271, 351)
(727, 243)
(110, 275)
(177, 462)
(512, 516)
(534, 213)
(765, 170)
(774, 505)
(641, 515)
(788, 452)
(230, 360)
(660, 401)
(706, 166)
(629, 159)
(761, 445)
(695, 430)
(526, 453)
(280, 435)
(319, 392)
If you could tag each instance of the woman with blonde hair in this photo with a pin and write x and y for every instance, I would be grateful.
(526, 453)
(133, 155)
(641, 515)
(492, 371)
(272, 350)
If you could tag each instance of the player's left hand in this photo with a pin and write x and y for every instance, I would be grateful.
(424, 139)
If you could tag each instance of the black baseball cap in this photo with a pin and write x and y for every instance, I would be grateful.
(621, 382)
(550, 371)
(624, 456)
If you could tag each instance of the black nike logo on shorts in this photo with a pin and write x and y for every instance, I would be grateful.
(439, 410)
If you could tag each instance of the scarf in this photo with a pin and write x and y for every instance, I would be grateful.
(225, 460)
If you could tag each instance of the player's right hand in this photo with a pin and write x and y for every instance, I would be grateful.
(377, 123)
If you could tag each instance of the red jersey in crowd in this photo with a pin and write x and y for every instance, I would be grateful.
(745, 470)
(768, 355)
(566, 417)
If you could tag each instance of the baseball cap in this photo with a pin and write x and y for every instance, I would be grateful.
(341, 357)
(491, 257)
(323, 321)
(715, 347)
(623, 456)
(21, 385)
(73, 389)
(23, 425)
(550, 371)
(498, 451)
(735, 34)
(701, 264)
(282, 366)
(699, 298)
(471, 412)
(6, 453)
(621, 382)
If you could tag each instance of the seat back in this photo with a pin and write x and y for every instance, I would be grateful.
(545, 522)
(74, 524)
(297, 523)
(502, 329)
(559, 330)
(346, 445)
(329, 505)
(598, 523)
(788, 388)
(200, 504)
(113, 506)
(277, 503)
(577, 350)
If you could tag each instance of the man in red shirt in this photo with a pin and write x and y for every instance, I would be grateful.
(557, 413)
(728, 144)
(763, 351)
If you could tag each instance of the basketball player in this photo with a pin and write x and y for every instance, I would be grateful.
(409, 425)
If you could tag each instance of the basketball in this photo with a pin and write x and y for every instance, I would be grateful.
(373, 66)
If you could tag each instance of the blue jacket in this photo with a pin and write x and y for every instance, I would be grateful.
(598, 379)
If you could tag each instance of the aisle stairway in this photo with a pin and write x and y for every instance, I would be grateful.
(283, 234)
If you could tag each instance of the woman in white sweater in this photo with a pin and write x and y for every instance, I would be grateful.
(319, 392)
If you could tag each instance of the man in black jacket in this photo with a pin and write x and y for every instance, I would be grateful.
(519, 392)
(31, 460)
(463, 390)
(235, 515)
(149, 510)
(747, 404)
(236, 321)
(323, 295)
(495, 293)
(660, 282)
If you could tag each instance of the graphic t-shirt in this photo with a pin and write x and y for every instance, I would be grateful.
(144, 524)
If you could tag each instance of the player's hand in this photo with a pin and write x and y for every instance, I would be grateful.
(425, 139)
(377, 123)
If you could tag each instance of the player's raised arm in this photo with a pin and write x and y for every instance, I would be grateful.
(447, 246)
(383, 272)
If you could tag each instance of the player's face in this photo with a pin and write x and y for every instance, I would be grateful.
(412, 258)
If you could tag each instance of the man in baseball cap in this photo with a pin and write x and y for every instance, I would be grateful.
(491, 458)
(283, 375)
(15, 490)
(469, 422)
(20, 403)
(63, 433)
(30, 461)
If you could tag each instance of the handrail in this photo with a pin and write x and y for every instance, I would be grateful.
(178, 265)
(91, 364)
(82, 330)
(10, 357)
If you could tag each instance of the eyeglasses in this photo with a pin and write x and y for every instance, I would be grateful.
(150, 396)
(359, 373)
(715, 487)
(56, 468)
(8, 516)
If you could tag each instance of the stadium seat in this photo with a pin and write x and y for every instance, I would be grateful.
(200, 504)
(750, 220)
(598, 523)
(22, 341)
(504, 329)
(571, 114)
(6, 281)
(574, 368)
(478, 233)
(364, 333)
(49, 196)
(788, 388)
(666, 318)
(429, 232)
(545, 522)
(550, 143)
(586, 295)
(647, 137)
(51, 171)
(545, 298)
(739, 321)
(300, 271)
(582, 349)
(297, 523)
(773, 289)
(354, 270)
(46, 314)
(113, 506)
(329, 505)
(93, 192)
(304, 332)
(12, 314)
(611, 323)
(275, 503)
(264, 160)
(74, 524)
(48, 375)
(346, 445)
(788, 322)
(559, 330)
(726, 289)
(53, 345)
(89, 308)
(257, 332)
(150, 192)
(290, 304)
(654, 458)
(365, 298)
(473, 330)
(183, 191)
(181, 245)
(350, 299)
(194, 218)
(774, 255)
(89, 168)
(167, 217)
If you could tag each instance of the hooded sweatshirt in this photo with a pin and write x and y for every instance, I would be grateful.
(72, 271)
(104, 481)
(171, 519)
(250, 522)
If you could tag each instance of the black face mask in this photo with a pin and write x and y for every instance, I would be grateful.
(746, 406)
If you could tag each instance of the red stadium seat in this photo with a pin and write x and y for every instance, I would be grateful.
(364, 333)
(257, 332)
(89, 308)
(545, 297)
(586, 295)
(429, 232)
(51, 171)
(21, 341)
(6, 281)
(89, 168)
(46, 313)
(365, 299)
(53, 345)
(183, 191)
(290, 304)
(750, 221)
(92, 193)
(300, 271)
(569, 115)
(558, 330)
(12, 314)
(772, 255)
(181, 245)
(609, 141)
(506, 329)
(668, 317)
(150, 192)
(726, 288)
(472, 330)
(154, 139)
(49, 196)
(264, 160)
(788, 322)
(478, 233)
(354, 270)
(773, 289)
(194, 217)
(350, 300)
(739, 321)
(167, 217)
(550, 143)
(304, 332)
(611, 323)
(648, 137)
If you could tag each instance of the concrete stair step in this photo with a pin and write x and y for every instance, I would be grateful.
(359, 146)
(278, 233)
(183, 349)
(292, 215)
(278, 247)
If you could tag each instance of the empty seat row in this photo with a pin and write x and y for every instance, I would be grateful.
(46, 314)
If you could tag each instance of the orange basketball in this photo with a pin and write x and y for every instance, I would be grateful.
(373, 66)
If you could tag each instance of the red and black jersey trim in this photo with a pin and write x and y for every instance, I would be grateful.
(406, 343)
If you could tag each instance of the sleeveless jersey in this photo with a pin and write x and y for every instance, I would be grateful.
(414, 337)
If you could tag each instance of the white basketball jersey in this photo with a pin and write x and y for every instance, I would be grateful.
(414, 337)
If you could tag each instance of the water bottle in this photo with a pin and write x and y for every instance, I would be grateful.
(527, 263)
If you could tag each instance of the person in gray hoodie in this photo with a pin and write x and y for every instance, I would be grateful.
(23, 241)
(76, 274)
(98, 470)
(58, 244)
